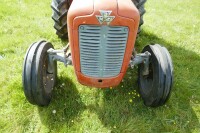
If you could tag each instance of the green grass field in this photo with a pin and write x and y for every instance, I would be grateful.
(76, 108)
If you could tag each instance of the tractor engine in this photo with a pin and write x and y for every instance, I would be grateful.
(102, 34)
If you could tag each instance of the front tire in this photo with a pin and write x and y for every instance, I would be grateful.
(155, 88)
(38, 78)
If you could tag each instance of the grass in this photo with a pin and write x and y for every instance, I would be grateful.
(77, 108)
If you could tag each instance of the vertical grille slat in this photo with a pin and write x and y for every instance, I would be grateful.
(102, 49)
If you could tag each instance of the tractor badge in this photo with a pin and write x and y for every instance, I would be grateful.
(105, 17)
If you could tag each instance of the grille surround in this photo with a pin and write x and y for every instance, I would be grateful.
(102, 49)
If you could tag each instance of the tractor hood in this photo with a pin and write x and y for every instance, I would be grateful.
(81, 8)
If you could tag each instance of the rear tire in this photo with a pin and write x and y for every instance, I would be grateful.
(38, 78)
(155, 88)
(140, 6)
(60, 10)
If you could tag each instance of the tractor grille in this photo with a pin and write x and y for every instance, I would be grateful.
(102, 49)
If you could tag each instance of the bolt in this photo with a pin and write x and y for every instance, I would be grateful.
(125, 29)
(82, 28)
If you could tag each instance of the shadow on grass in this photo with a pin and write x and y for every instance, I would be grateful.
(123, 110)
(65, 106)
(64, 42)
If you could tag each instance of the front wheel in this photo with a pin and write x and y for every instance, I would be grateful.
(155, 87)
(39, 75)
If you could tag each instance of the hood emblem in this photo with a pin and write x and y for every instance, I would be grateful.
(105, 17)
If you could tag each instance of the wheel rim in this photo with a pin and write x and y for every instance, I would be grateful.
(48, 77)
(147, 80)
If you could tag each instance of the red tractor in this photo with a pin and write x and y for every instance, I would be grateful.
(101, 35)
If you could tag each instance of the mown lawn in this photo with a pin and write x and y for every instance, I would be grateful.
(77, 108)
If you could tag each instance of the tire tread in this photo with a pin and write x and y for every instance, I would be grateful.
(59, 16)
(140, 6)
